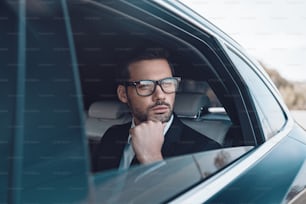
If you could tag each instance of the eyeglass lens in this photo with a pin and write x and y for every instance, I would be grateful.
(147, 87)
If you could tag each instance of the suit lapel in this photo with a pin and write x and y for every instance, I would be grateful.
(122, 140)
(115, 148)
(172, 137)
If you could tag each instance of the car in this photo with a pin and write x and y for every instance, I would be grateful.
(58, 97)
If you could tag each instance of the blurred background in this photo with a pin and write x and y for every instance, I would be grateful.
(272, 31)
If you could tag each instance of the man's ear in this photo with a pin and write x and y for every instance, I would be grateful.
(121, 93)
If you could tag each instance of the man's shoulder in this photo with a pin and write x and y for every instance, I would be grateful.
(117, 131)
(177, 122)
(189, 133)
(120, 126)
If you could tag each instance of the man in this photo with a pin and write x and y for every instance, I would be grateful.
(155, 133)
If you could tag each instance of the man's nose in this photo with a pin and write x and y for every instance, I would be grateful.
(159, 93)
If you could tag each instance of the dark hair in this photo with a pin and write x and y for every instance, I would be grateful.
(142, 54)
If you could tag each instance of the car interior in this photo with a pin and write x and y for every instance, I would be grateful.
(202, 100)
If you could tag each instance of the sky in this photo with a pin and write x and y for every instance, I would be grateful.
(273, 31)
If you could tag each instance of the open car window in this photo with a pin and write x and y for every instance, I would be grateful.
(104, 36)
(206, 102)
(196, 105)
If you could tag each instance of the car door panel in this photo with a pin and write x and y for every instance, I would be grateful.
(48, 162)
(268, 181)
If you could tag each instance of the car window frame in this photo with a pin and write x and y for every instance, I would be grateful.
(196, 45)
(218, 37)
(213, 47)
(269, 86)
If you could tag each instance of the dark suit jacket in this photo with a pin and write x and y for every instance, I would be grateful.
(179, 140)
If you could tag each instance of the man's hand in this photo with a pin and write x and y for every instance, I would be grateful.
(147, 141)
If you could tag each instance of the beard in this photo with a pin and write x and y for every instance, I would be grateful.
(146, 115)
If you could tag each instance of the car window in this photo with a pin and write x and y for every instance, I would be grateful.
(163, 181)
(42, 136)
(70, 55)
(196, 105)
(201, 103)
(69, 52)
(270, 113)
(202, 100)
(8, 70)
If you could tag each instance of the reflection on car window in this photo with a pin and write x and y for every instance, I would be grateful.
(173, 176)
(269, 111)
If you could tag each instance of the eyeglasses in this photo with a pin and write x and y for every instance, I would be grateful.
(147, 87)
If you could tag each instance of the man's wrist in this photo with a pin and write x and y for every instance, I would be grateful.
(150, 159)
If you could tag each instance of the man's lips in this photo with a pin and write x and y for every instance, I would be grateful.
(160, 108)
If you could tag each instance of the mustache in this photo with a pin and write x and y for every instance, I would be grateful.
(159, 103)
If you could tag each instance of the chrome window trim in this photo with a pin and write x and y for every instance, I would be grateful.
(206, 190)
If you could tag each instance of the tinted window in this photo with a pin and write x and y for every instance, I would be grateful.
(269, 111)
(42, 154)
(8, 70)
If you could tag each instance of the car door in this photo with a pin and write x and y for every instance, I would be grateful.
(126, 25)
(245, 178)
(282, 161)
(43, 152)
(8, 78)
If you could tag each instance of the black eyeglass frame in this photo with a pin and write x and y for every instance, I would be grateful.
(156, 82)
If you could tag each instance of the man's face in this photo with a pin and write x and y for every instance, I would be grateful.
(159, 105)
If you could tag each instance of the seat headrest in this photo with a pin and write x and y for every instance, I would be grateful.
(107, 109)
(190, 104)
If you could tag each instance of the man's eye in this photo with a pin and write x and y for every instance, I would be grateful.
(144, 86)
(168, 83)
